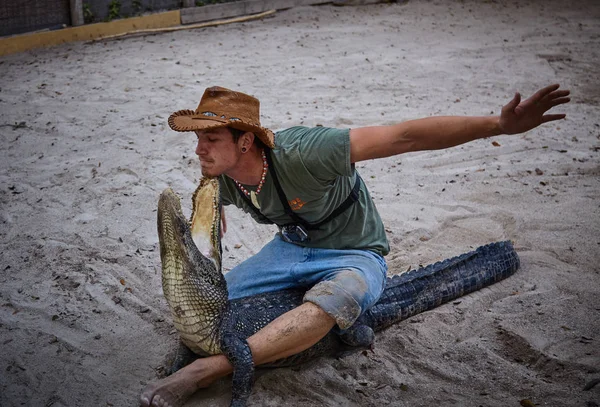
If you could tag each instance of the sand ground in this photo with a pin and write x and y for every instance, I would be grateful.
(86, 150)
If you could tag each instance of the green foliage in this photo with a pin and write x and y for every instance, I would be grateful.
(137, 5)
(88, 15)
(114, 10)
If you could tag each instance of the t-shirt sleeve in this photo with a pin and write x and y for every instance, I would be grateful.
(326, 152)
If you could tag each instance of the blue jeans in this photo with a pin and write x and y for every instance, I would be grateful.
(344, 283)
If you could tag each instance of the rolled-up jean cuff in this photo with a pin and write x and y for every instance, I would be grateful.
(335, 301)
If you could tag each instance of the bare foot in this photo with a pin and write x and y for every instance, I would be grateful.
(171, 391)
(174, 390)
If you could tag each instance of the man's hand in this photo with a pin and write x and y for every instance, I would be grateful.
(223, 222)
(519, 117)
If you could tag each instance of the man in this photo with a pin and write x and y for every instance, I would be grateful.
(331, 239)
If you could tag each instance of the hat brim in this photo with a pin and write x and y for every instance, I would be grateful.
(188, 120)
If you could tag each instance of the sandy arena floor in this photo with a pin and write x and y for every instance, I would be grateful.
(86, 150)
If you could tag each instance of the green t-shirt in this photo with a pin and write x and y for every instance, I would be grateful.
(314, 170)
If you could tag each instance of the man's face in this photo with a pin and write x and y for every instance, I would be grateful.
(217, 151)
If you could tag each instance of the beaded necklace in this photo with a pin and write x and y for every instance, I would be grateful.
(252, 194)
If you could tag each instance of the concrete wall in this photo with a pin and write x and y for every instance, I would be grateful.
(23, 16)
(20, 16)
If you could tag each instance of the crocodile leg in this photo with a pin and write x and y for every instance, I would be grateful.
(237, 351)
(358, 336)
(183, 357)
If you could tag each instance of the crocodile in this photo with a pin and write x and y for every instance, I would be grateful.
(209, 323)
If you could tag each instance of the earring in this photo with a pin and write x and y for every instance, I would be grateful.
(244, 149)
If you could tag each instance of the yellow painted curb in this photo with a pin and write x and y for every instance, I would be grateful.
(20, 43)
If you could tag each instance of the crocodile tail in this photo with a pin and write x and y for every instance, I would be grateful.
(419, 290)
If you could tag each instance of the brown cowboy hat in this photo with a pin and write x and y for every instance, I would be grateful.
(220, 107)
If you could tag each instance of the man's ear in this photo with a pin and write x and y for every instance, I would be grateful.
(247, 140)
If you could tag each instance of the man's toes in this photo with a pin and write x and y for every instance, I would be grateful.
(150, 399)
(145, 398)
(158, 401)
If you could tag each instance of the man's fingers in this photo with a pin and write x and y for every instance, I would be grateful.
(550, 98)
(514, 102)
(551, 117)
(540, 94)
(223, 222)
(558, 94)
(559, 101)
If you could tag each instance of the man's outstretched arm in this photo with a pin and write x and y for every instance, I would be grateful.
(434, 133)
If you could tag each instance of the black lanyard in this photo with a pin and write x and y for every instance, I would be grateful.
(353, 197)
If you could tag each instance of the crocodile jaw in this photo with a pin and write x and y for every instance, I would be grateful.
(206, 219)
(193, 285)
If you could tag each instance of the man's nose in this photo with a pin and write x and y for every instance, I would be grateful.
(200, 148)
